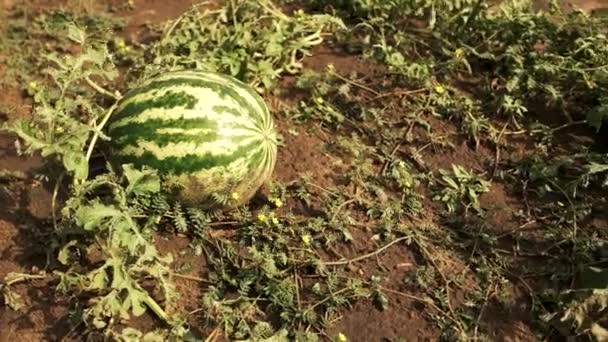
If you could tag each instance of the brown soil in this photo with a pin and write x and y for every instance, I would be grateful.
(25, 211)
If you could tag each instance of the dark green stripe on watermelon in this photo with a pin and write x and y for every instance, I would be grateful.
(166, 101)
(226, 109)
(224, 91)
(256, 160)
(235, 112)
(252, 93)
(190, 163)
(130, 133)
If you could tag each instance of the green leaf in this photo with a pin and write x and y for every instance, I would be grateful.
(141, 182)
(136, 300)
(120, 279)
(76, 34)
(450, 182)
(596, 116)
(25, 130)
(98, 323)
(77, 163)
(98, 279)
(381, 299)
(472, 195)
(597, 168)
(12, 299)
(347, 235)
(92, 216)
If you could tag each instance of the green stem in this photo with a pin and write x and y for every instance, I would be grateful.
(153, 305)
(13, 278)
(98, 130)
(368, 255)
(101, 90)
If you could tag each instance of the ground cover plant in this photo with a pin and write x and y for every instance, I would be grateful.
(441, 174)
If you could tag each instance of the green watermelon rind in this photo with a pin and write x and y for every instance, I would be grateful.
(208, 135)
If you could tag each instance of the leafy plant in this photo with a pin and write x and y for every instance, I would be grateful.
(99, 213)
(128, 253)
(461, 189)
(29, 35)
(536, 58)
(253, 41)
(584, 308)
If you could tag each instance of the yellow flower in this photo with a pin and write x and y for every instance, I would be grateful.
(277, 202)
(439, 89)
(300, 12)
(32, 86)
(235, 196)
(59, 129)
(275, 220)
(306, 238)
(262, 218)
(458, 53)
(319, 100)
(342, 337)
(120, 43)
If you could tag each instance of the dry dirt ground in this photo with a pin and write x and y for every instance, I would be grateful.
(25, 211)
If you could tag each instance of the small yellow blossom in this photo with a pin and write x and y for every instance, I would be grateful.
(439, 89)
(120, 43)
(300, 12)
(235, 196)
(32, 86)
(262, 218)
(277, 202)
(458, 53)
(275, 220)
(342, 337)
(59, 129)
(320, 100)
(306, 238)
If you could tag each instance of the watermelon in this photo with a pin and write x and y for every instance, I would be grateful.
(210, 136)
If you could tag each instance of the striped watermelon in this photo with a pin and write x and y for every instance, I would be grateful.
(206, 134)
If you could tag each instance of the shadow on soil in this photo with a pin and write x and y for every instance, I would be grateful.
(25, 211)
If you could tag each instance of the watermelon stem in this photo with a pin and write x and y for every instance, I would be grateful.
(157, 309)
(115, 96)
(98, 129)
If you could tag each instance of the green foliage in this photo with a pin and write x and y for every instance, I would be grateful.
(99, 216)
(128, 252)
(461, 189)
(261, 273)
(27, 37)
(585, 307)
(251, 40)
(525, 58)
(391, 31)
(553, 58)
(61, 128)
